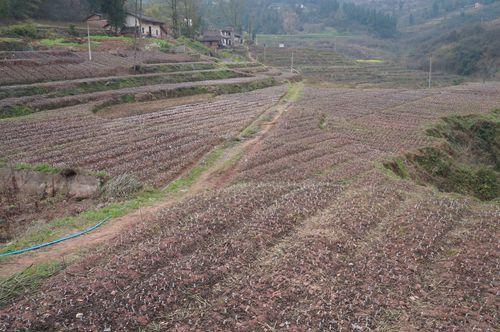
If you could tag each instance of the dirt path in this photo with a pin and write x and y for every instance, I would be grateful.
(216, 176)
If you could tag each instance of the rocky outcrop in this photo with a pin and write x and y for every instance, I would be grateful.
(72, 184)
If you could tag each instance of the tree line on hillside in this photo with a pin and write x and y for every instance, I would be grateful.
(385, 25)
(184, 16)
(471, 50)
(442, 7)
(18, 9)
(190, 17)
(69, 10)
(438, 8)
(292, 16)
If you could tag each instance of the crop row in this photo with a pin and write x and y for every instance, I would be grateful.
(56, 129)
(47, 94)
(192, 248)
(148, 145)
(380, 254)
(51, 67)
(283, 57)
(326, 129)
(289, 249)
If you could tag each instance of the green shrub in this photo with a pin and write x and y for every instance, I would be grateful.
(487, 186)
(398, 167)
(195, 45)
(24, 30)
(15, 111)
(163, 45)
(461, 180)
(434, 161)
(72, 30)
(468, 163)
(128, 98)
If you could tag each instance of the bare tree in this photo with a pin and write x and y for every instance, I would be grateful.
(233, 12)
(191, 18)
(174, 17)
(488, 66)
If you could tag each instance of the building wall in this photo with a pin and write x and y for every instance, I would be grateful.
(156, 31)
(97, 22)
(131, 21)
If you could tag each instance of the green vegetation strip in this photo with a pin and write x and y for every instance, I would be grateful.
(119, 83)
(242, 64)
(64, 42)
(130, 82)
(122, 83)
(173, 67)
(189, 91)
(61, 227)
(51, 243)
(466, 162)
(27, 280)
(43, 168)
(195, 45)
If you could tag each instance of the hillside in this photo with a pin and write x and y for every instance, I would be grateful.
(316, 176)
(465, 44)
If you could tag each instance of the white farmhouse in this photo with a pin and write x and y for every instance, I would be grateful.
(148, 26)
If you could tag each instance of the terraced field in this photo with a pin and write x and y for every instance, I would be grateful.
(326, 66)
(156, 146)
(282, 57)
(304, 230)
(38, 81)
(120, 114)
(365, 74)
(38, 66)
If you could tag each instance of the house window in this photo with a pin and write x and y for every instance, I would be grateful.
(142, 29)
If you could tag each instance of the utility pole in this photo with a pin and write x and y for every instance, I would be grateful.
(140, 19)
(88, 39)
(430, 70)
(137, 31)
(135, 37)
(291, 65)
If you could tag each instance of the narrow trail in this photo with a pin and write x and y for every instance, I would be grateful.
(215, 176)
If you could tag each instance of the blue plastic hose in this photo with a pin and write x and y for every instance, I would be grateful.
(47, 244)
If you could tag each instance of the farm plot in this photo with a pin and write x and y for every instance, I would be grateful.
(32, 67)
(282, 57)
(92, 84)
(309, 235)
(329, 66)
(334, 131)
(156, 147)
(366, 74)
(43, 96)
